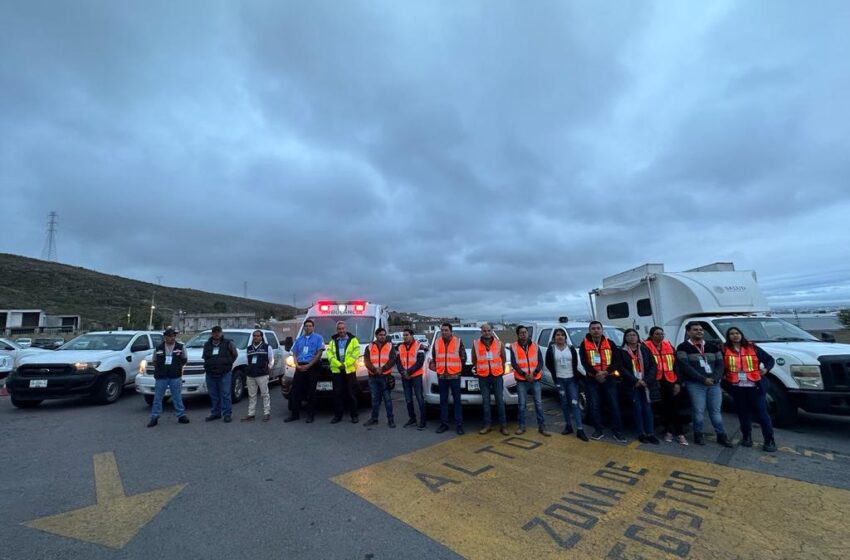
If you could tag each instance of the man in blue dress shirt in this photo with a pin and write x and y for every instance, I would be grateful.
(307, 352)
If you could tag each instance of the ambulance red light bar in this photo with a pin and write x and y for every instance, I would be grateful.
(328, 307)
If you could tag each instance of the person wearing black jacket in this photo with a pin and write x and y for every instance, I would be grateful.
(701, 364)
(169, 357)
(602, 361)
(746, 365)
(219, 355)
(562, 362)
(260, 363)
(639, 371)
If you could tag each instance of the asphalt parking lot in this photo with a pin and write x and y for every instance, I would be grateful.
(86, 481)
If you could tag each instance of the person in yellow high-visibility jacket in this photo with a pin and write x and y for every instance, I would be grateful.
(343, 350)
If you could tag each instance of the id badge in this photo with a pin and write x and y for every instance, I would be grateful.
(305, 349)
(215, 351)
(563, 361)
(597, 359)
(168, 360)
(250, 360)
(489, 355)
(702, 363)
(742, 376)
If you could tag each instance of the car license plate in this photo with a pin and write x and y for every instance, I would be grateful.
(472, 385)
(324, 386)
(38, 383)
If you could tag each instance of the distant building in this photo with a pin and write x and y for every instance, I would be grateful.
(197, 322)
(33, 321)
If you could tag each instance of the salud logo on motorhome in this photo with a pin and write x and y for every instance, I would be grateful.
(724, 289)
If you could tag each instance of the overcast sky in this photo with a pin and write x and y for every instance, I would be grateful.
(462, 158)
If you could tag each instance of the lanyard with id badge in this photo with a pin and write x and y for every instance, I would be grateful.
(742, 375)
(702, 362)
(215, 351)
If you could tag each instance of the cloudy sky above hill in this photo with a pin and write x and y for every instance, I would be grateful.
(459, 158)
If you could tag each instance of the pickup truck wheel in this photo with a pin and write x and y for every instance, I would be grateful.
(238, 387)
(782, 410)
(149, 400)
(24, 403)
(110, 388)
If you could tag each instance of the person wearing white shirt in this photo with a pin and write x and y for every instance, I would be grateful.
(562, 362)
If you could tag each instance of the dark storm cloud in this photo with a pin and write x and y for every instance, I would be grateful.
(472, 159)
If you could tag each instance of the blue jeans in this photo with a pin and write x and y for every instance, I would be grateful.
(175, 384)
(749, 402)
(454, 386)
(522, 392)
(495, 385)
(219, 389)
(379, 389)
(568, 393)
(413, 387)
(702, 396)
(644, 422)
(595, 392)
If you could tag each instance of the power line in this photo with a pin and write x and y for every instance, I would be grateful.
(49, 252)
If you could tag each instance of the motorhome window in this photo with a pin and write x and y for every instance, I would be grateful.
(764, 329)
(544, 337)
(644, 307)
(618, 310)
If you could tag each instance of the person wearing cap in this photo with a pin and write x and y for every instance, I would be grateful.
(379, 358)
(219, 355)
(169, 357)
(307, 352)
(260, 362)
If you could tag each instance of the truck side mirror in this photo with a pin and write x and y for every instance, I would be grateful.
(827, 337)
(287, 343)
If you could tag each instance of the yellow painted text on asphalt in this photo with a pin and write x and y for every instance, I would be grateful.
(534, 497)
(116, 518)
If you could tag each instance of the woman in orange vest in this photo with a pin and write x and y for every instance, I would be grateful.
(639, 371)
(668, 382)
(746, 365)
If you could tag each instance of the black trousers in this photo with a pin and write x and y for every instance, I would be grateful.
(345, 393)
(670, 408)
(304, 389)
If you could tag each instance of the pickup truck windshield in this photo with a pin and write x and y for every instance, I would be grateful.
(361, 327)
(113, 342)
(764, 329)
(240, 339)
(578, 334)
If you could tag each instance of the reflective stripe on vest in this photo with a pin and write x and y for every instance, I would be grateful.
(600, 356)
(747, 362)
(380, 356)
(665, 359)
(527, 361)
(407, 357)
(448, 359)
(493, 365)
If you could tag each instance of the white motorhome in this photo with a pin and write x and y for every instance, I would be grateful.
(810, 374)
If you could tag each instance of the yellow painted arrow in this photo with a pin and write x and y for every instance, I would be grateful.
(116, 518)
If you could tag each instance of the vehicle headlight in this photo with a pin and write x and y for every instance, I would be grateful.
(82, 366)
(290, 361)
(507, 368)
(361, 362)
(808, 377)
(5, 362)
(142, 366)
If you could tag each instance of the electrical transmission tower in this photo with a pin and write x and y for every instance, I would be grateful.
(49, 251)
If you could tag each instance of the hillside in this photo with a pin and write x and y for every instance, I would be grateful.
(102, 300)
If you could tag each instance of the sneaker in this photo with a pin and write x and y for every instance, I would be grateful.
(543, 432)
(699, 439)
(355, 419)
(391, 423)
(267, 417)
(682, 439)
(228, 419)
(334, 420)
(460, 431)
(723, 440)
(597, 435)
(212, 417)
(370, 422)
(504, 430)
(310, 418)
(653, 440)
(153, 422)
(409, 423)
(642, 438)
(249, 418)
(293, 419)
(747, 441)
(183, 420)
(519, 431)
(442, 428)
(769, 446)
(668, 437)
(618, 437)
(567, 430)
(485, 430)
(581, 435)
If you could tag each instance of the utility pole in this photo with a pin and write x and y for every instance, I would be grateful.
(49, 252)
(150, 320)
